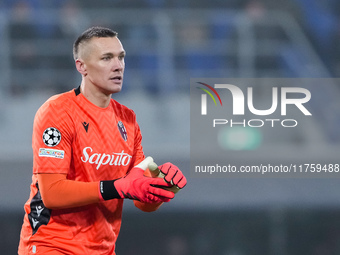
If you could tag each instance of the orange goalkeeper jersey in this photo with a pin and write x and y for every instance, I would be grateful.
(75, 137)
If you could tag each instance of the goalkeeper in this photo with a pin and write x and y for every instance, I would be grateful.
(87, 158)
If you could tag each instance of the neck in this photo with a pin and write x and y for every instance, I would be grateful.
(95, 96)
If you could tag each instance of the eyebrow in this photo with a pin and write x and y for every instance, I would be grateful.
(109, 54)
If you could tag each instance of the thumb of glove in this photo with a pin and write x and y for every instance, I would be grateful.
(145, 163)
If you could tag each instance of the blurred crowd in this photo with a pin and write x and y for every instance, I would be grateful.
(41, 33)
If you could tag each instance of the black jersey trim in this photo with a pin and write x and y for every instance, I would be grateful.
(39, 215)
(77, 91)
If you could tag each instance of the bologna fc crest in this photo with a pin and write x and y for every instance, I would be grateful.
(51, 136)
(122, 130)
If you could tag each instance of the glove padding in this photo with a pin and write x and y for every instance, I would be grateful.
(136, 186)
(173, 175)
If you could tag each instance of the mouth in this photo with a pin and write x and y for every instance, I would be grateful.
(117, 78)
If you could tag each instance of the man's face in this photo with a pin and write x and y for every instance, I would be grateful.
(103, 62)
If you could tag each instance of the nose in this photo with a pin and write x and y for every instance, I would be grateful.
(118, 65)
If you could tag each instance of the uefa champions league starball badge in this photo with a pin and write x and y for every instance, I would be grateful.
(51, 136)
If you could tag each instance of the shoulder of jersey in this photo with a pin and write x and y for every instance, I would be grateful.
(60, 99)
(122, 108)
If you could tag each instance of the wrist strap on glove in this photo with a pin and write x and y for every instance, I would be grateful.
(108, 190)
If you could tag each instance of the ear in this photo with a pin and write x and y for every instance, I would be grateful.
(81, 67)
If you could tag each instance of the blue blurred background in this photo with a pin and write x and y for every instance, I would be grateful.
(167, 43)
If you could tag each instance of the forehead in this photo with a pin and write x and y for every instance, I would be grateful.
(102, 45)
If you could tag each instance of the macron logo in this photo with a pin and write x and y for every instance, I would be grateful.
(85, 125)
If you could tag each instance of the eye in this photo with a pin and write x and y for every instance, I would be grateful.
(121, 57)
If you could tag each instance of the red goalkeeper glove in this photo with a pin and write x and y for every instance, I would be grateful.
(173, 175)
(136, 186)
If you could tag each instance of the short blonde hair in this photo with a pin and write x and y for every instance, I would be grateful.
(87, 35)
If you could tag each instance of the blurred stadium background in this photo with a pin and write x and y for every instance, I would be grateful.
(167, 43)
